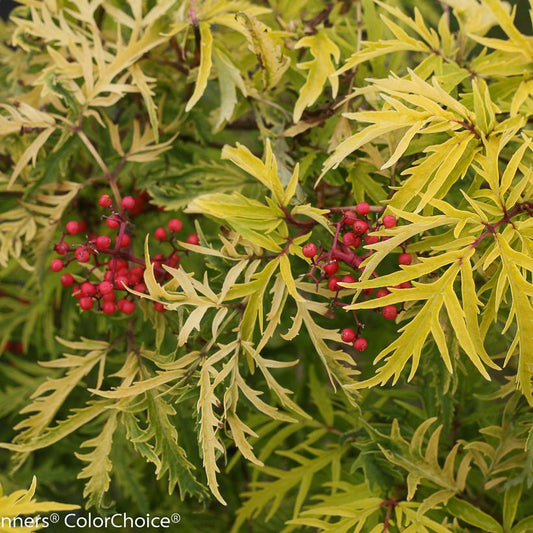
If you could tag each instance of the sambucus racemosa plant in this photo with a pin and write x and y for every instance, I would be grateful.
(335, 168)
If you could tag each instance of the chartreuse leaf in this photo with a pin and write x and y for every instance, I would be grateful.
(51, 395)
(206, 46)
(229, 78)
(472, 515)
(97, 471)
(261, 42)
(521, 291)
(21, 502)
(414, 335)
(266, 173)
(321, 68)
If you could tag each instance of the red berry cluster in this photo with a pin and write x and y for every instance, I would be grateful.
(353, 232)
(113, 255)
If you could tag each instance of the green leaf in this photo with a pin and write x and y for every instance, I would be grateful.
(472, 515)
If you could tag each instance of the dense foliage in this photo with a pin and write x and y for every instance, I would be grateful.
(270, 255)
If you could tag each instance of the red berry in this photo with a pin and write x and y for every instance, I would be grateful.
(105, 201)
(76, 292)
(362, 208)
(349, 218)
(140, 287)
(349, 239)
(389, 221)
(368, 292)
(87, 289)
(72, 227)
(56, 265)
(160, 234)
(389, 312)
(102, 242)
(331, 268)
(112, 223)
(109, 297)
(109, 308)
(61, 247)
(347, 334)
(360, 344)
(124, 241)
(138, 207)
(82, 255)
(128, 307)
(193, 239)
(405, 285)
(173, 259)
(333, 283)
(119, 281)
(309, 250)
(105, 287)
(82, 226)
(371, 239)
(159, 307)
(348, 279)
(128, 202)
(360, 226)
(405, 259)
(381, 293)
(120, 264)
(67, 280)
(175, 225)
(86, 303)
